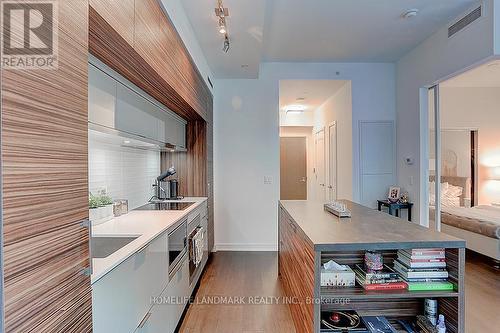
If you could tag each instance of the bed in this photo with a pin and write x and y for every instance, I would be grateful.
(479, 226)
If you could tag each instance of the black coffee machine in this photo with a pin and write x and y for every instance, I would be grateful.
(167, 189)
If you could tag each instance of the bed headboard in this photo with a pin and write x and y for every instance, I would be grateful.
(463, 182)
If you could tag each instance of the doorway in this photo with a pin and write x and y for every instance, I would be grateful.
(321, 112)
(332, 161)
(293, 168)
(319, 164)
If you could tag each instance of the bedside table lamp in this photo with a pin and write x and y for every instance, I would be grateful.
(495, 175)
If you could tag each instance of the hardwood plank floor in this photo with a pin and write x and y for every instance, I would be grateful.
(254, 274)
(482, 294)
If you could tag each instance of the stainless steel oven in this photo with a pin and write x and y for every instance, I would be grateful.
(177, 245)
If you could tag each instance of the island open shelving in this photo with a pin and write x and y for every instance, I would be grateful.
(309, 237)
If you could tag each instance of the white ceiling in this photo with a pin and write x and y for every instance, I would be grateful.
(484, 76)
(315, 92)
(315, 30)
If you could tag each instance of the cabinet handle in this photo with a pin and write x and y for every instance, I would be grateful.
(88, 271)
(142, 248)
(144, 320)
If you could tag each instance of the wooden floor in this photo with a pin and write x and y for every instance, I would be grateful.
(482, 295)
(254, 274)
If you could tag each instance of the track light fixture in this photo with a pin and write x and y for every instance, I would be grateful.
(222, 13)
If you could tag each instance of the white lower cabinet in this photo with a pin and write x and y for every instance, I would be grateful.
(167, 309)
(122, 297)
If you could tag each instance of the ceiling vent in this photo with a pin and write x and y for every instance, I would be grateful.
(465, 21)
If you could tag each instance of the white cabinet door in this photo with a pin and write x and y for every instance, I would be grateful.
(135, 114)
(122, 297)
(175, 130)
(166, 313)
(102, 97)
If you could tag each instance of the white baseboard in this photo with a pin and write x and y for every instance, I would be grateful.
(245, 247)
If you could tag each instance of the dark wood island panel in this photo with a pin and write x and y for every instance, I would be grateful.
(309, 237)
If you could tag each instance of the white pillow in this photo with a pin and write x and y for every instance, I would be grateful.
(453, 191)
(450, 202)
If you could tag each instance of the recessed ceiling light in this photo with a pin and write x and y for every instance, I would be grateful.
(126, 142)
(294, 111)
(296, 108)
(410, 13)
(300, 99)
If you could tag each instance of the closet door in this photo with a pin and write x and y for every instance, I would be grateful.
(377, 160)
(44, 187)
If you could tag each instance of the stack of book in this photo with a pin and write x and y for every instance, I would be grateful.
(423, 269)
(384, 279)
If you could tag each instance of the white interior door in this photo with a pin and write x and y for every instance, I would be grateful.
(319, 148)
(332, 162)
(377, 160)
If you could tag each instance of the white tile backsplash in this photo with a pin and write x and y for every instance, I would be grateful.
(125, 173)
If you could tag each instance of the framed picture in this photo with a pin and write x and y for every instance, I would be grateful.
(394, 193)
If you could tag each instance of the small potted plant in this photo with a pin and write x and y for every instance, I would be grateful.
(100, 208)
(106, 203)
(94, 212)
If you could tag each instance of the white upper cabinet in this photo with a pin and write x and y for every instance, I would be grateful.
(135, 114)
(102, 97)
(116, 103)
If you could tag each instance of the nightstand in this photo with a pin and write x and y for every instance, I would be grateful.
(395, 207)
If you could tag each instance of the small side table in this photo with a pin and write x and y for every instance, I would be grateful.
(395, 207)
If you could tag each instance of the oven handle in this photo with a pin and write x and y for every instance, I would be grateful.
(183, 223)
(177, 266)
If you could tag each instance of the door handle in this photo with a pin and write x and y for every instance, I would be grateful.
(330, 186)
(322, 185)
(303, 179)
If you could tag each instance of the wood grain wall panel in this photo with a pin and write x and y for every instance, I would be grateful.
(44, 187)
(107, 45)
(119, 14)
(210, 173)
(147, 41)
(191, 166)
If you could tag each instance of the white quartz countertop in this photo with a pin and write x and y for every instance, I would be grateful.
(146, 225)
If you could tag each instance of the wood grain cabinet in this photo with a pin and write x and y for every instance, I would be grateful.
(119, 14)
(44, 187)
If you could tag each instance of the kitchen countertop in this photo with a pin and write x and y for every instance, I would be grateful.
(147, 225)
(367, 227)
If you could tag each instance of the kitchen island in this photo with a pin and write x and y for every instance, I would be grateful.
(310, 236)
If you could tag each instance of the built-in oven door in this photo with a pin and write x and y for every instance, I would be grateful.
(177, 245)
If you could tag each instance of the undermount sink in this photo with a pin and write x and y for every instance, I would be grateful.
(102, 247)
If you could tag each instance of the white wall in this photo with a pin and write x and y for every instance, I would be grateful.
(125, 173)
(477, 108)
(433, 60)
(303, 132)
(338, 108)
(246, 143)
